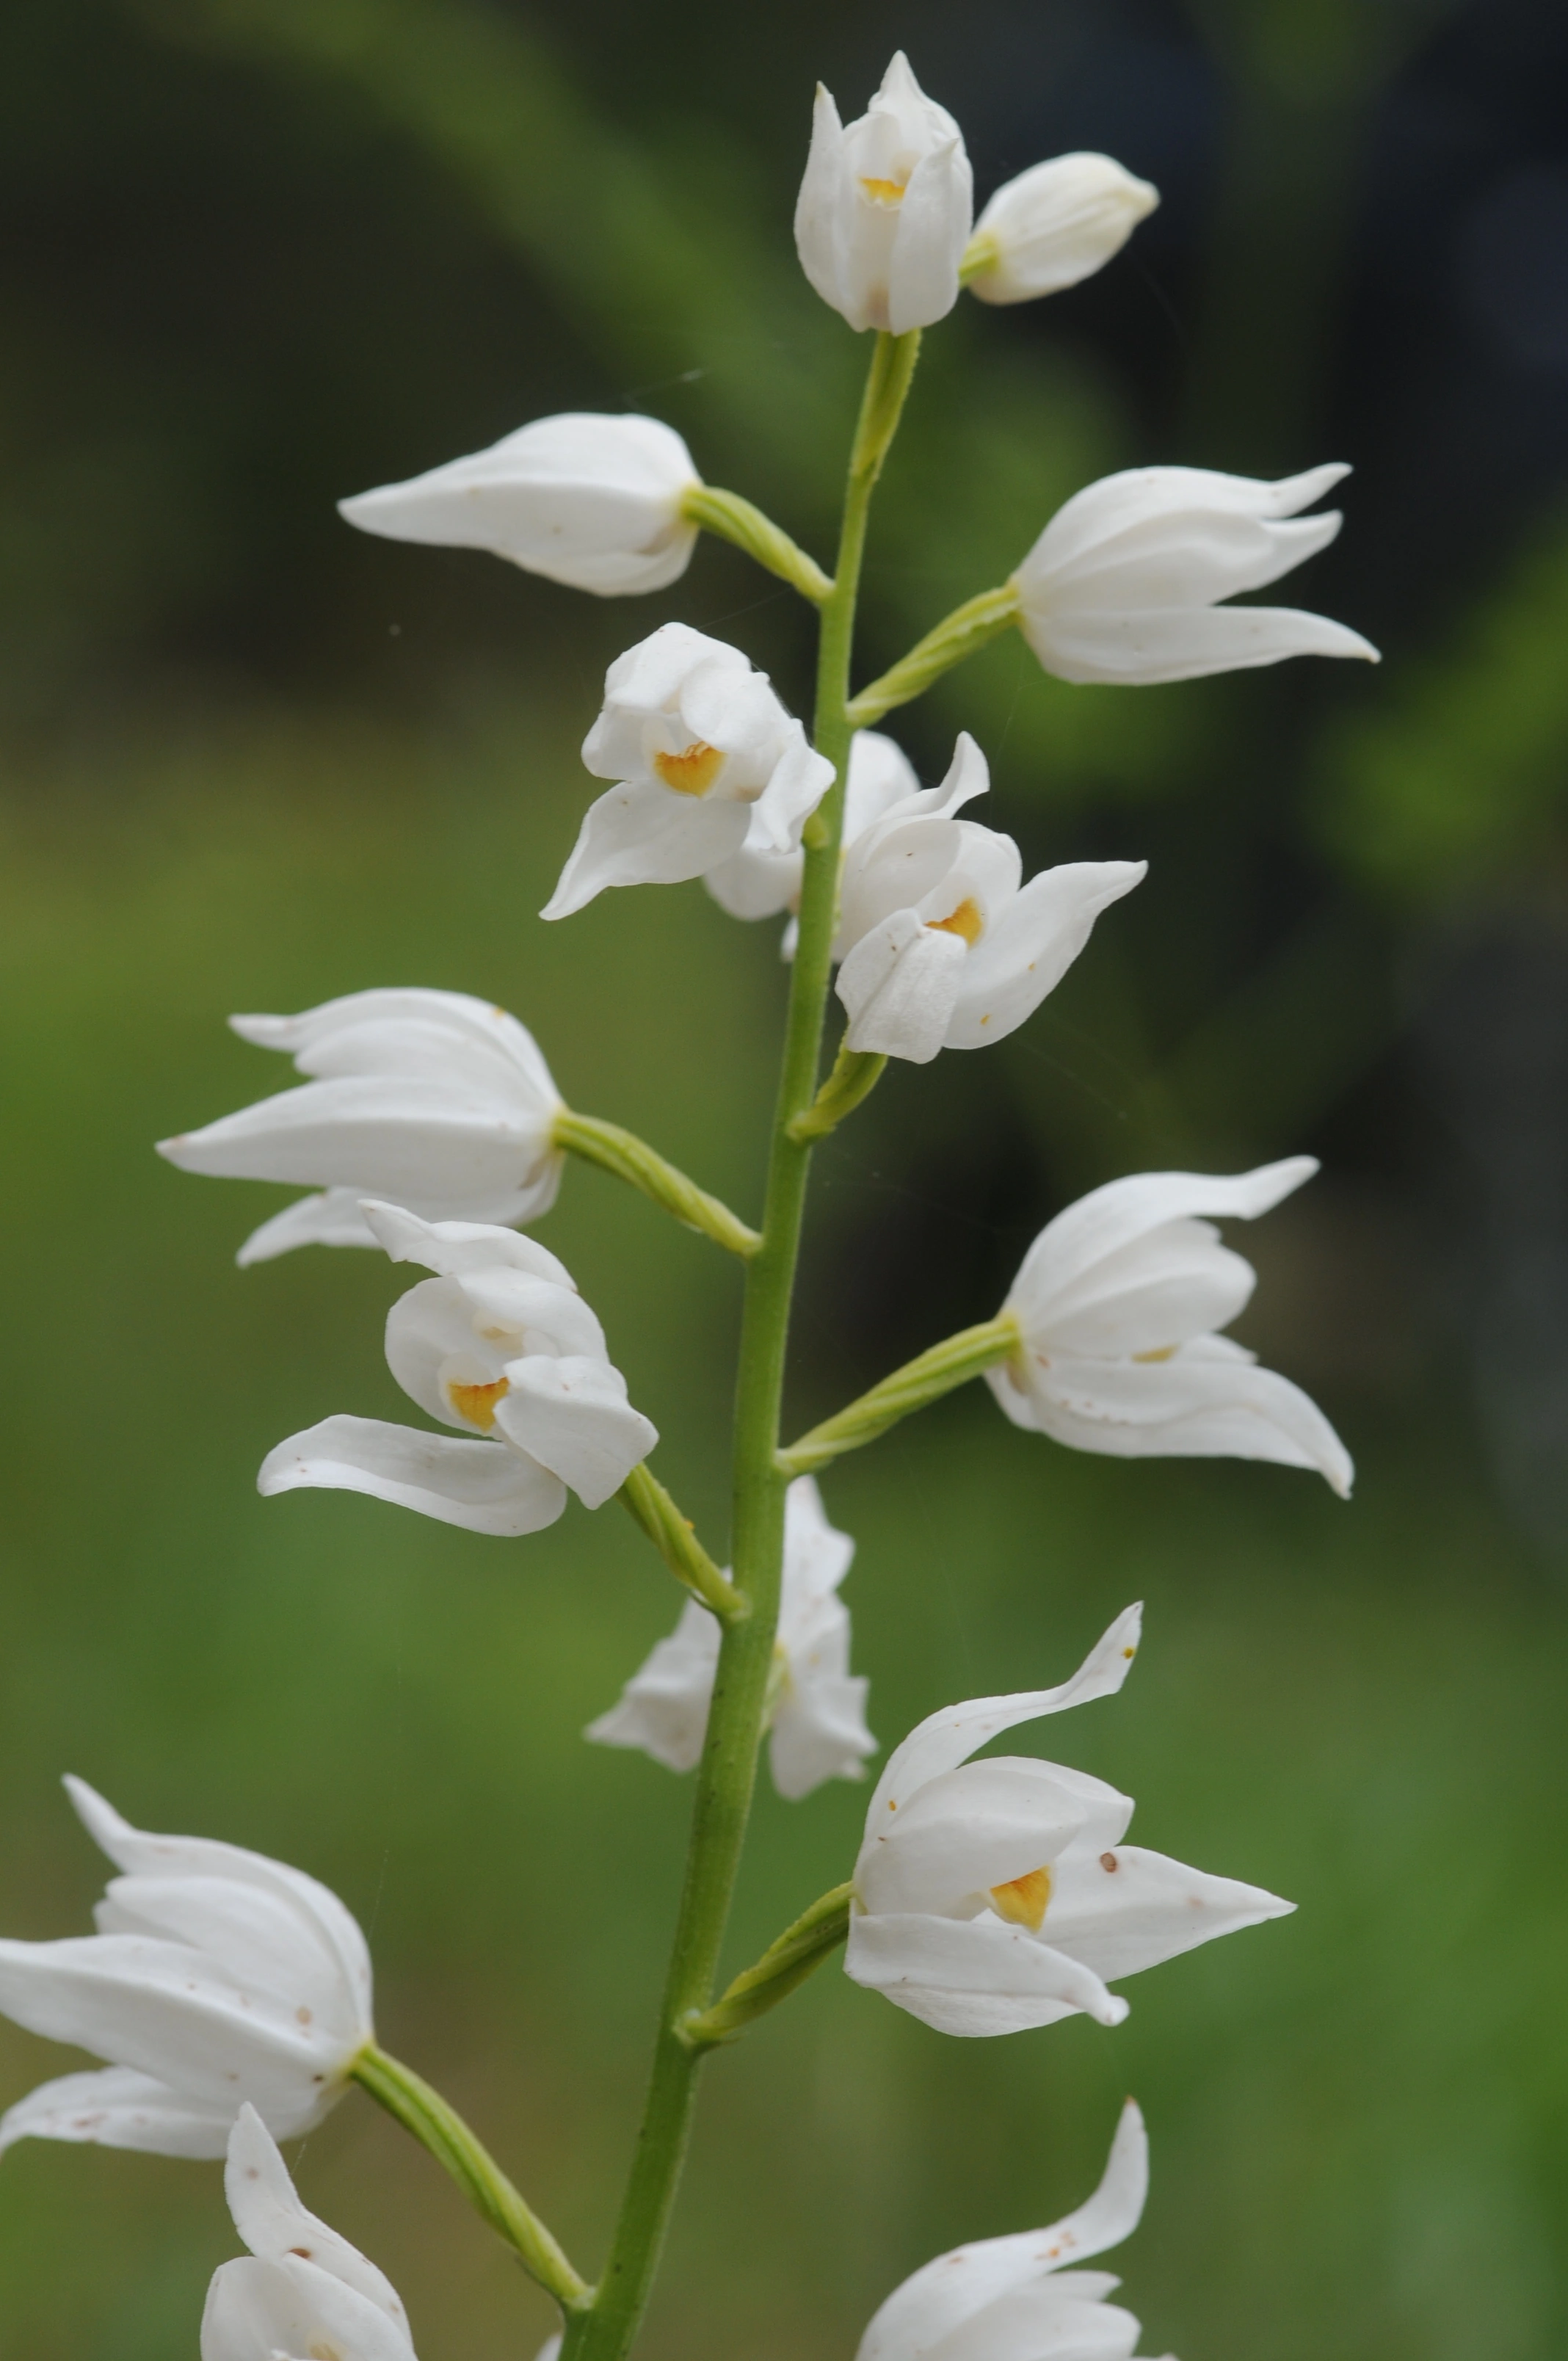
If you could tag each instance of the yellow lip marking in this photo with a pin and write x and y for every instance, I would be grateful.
(1164, 1353)
(477, 1403)
(885, 192)
(965, 920)
(693, 771)
(1023, 1900)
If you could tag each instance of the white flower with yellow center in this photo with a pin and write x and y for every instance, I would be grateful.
(817, 1706)
(706, 760)
(501, 1346)
(1117, 1303)
(943, 946)
(1021, 2298)
(885, 207)
(215, 1976)
(1123, 583)
(303, 2293)
(992, 1896)
(589, 500)
(435, 1100)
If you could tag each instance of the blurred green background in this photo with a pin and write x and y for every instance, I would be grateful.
(260, 253)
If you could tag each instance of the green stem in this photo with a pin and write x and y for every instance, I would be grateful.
(424, 2112)
(735, 520)
(676, 1542)
(630, 1158)
(856, 1074)
(958, 635)
(925, 1379)
(787, 1962)
(727, 1773)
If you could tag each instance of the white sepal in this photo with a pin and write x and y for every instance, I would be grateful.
(589, 500)
(1055, 225)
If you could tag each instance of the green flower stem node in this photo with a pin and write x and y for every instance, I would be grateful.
(677, 1545)
(959, 636)
(424, 2112)
(926, 1379)
(856, 1074)
(800, 1949)
(979, 254)
(733, 518)
(630, 1158)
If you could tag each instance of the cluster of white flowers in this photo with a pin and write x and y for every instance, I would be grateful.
(230, 1996)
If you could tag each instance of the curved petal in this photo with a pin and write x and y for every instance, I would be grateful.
(275, 2225)
(1164, 1289)
(946, 1738)
(1028, 949)
(1191, 1407)
(119, 2108)
(1139, 498)
(977, 1825)
(800, 779)
(934, 224)
(663, 1710)
(409, 1029)
(899, 985)
(881, 774)
(380, 1135)
(287, 2310)
(1182, 642)
(1126, 1909)
(1111, 1217)
(263, 1940)
(332, 1218)
(973, 1977)
(1056, 223)
(756, 883)
(645, 834)
(1185, 557)
(817, 1556)
(571, 1415)
(484, 1487)
(820, 211)
(820, 1733)
(453, 1249)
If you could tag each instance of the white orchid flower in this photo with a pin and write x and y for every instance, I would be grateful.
(942, 946)
(592, 501)
(762, 884)
(303, 2294)
(501, 1345)
(706, 760)
(431, 1099)
(819, 1728)
(1121, 584)
(215, 1976)
(1118, 1301)
(1015, 2299)
(885, 207)
(1055, 225)
(992, 1896)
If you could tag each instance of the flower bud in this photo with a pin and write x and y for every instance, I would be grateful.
(592, 501)
(1056, 223)
(885, 209)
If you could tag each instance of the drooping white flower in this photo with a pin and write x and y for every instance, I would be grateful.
(433, 1098)
(1121, 584)
(761, 885)
(942, 946)
(592, 501)
(1013, 2299)
(303, 2294)
(501, 1346)
(215, 1976)
(706, 760)
(885, 207)
(818, 1726)
(1118, 1301)
(1055, 225)
(992, 1896)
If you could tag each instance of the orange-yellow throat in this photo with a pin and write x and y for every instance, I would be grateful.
(1023, 1900)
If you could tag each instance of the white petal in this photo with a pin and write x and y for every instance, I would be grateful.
(119, 2108)
(289, 2310)
(331, 1219)
(457, 1249)
(1156, 1290)
(1110, 1217)
(1191, 1407)
(820, 1733)
(1183, 642)
(934, 223)
(817, 1559)
(1146, 1909)
(899, 985)
(977, 1825)
(571, 1414)
(973, 1977)
(409, 1028)
(484, 1486)
(820, 210)
(662, 1709)
(881, 774)
(646, 834)
(1035, 940)
(800, 780)
(949, 1737)
(1143, 497)
(756, 883)
(275, 2225)
(1056, 223)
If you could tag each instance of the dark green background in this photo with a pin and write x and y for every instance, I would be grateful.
(260, 253)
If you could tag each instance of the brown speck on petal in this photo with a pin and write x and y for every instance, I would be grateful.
(1109, 1861)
